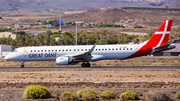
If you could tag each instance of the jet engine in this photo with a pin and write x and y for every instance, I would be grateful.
(63, 61)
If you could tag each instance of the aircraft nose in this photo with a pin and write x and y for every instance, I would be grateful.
(6, 57)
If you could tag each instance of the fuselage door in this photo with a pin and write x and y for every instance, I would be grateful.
(25, 52)
(137, 49)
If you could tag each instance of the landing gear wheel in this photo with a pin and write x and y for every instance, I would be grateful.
(22, 66)
(83, 65)
(88, 65)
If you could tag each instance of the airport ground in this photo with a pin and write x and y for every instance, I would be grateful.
(141, 78)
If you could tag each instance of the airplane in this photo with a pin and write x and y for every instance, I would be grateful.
(71, 55)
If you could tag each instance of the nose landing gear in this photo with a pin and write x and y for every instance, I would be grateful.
(22, 64)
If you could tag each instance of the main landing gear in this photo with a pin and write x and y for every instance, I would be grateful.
(86, 64)
(22, 64)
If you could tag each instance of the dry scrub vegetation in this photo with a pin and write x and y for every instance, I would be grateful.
(63, 95)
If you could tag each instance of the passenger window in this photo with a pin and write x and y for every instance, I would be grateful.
(41, 50)
(45, 50)
(86, 50)
(70, 50)
(38, 50)
(74, 49)
(105, 49)
(99, 49)
(34, 50)
(96, 49)
(127, 48)
(116, 49)
(102, 49)
(109, 49)
(119, 48)
(66, 50)
(63, 50)
(123, 48)
(131, 48)
(52, 50)
(49, 50)
(56, 50)
(113, 49)
(59, 50)
(31, 51)
(78, 49)
(82, 49)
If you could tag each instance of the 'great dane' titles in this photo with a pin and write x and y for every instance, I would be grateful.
(41, 55)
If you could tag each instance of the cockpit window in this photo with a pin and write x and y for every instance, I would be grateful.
(14, 51)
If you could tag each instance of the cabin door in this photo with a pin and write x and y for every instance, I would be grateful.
(137, 49)
(25, 52)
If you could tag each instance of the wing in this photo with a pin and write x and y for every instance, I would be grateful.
(84, 57)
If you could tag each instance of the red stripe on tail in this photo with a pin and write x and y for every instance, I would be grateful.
(165, 41)
(169, 25)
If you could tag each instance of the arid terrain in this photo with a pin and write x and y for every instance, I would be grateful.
(160, 78)
(14, 82)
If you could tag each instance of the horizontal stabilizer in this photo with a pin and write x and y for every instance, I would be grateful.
(161, 47)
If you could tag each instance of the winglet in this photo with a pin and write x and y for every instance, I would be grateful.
(92, 49)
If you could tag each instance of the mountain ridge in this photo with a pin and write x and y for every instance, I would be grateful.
(79, 5)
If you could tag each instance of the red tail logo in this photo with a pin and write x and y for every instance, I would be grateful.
(158, 39)
(161, 36)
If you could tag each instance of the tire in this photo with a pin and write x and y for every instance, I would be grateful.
(83, 65)
(22, 66)
(88, 65)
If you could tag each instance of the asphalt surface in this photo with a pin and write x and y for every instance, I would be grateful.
(94, 68)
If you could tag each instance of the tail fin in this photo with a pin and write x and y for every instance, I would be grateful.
(161, 36)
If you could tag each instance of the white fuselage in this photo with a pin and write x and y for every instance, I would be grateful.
(46, 53)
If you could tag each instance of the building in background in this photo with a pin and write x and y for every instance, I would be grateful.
(172, 52)
(6, 35)
(5, 50)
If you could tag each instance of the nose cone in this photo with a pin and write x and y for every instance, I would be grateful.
(6, 57)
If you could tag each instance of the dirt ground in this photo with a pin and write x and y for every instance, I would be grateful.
(93, 75)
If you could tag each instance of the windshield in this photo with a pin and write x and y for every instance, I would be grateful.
(14, 51)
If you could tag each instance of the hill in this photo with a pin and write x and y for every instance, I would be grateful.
(79, 5)
(149, 18)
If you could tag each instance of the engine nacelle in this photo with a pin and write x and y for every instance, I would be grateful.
(63, 61)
